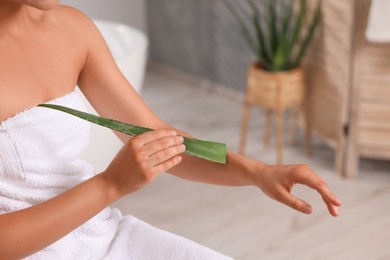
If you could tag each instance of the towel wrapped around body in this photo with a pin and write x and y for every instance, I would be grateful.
(40, 151)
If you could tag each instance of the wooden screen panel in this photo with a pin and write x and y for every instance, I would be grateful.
(328, 70)
(374, 102)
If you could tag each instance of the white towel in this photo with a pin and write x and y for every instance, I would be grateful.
(156, 244)
(40, 151)
(378, 27)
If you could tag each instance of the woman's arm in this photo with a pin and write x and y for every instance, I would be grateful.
(29, 230)
(143, 158)
(138, 163)
(113, 97)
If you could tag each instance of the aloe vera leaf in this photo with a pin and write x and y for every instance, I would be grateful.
(260, 52)
(243, 28)
(264, 54)
(297, 27)
(211, 151)
(287, 11)
(281, 60)
(309, 35)
(271, 24)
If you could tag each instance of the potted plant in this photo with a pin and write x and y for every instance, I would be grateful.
(276, 36)
(274, 30)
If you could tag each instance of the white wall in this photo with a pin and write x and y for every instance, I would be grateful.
(132, 12)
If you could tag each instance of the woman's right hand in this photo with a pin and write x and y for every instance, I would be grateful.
(142, 159)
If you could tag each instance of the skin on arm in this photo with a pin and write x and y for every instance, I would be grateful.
(138, 162)
(113, 97)
(141, 160)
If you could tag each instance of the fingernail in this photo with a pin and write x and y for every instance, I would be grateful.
(307, 209)
(182, 147)
(178, 159)
(174, 133)
(180, 139)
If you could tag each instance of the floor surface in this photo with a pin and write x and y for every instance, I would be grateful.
(244, 223)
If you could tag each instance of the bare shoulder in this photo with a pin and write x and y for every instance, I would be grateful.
(75, 21)
(70, 17)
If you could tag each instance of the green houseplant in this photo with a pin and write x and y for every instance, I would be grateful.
(276, 35)
(274, 30)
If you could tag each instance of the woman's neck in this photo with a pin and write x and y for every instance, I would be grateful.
(16, 18)
(12, 16)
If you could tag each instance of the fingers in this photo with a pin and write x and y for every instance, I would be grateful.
(295, 203)
(168, 164)
(333, 209)
(142, 159)
(158, 147)
(150, 136)
(320, 185)
(166, 154)
(305, 176)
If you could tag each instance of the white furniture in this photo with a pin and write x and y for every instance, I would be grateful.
(129, 49)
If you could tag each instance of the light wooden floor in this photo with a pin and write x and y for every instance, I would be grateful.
(244, 223)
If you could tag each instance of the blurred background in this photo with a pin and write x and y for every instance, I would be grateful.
(191, 63)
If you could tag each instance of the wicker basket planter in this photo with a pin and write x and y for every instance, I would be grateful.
(276, 92)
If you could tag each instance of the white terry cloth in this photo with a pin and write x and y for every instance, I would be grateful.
(378, 27)
(40, 152)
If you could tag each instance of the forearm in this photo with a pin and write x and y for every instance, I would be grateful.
(238, 170)
(54, 218)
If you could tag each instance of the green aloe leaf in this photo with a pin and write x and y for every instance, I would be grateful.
(287, 10)
(309, 35)
(271, 24)
(211, 151)
(281, 58)
(246, 32)
(264, 54)
(297, 27)
(286, 16)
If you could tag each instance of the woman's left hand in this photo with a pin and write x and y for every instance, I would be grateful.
(276, 181)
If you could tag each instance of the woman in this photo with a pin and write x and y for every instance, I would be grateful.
(51, 203)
